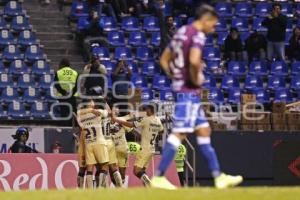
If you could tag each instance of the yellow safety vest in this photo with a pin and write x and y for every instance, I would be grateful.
(67, 78)
(179, 158)
(133, 147)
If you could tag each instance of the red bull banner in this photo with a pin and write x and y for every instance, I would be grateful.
(57, 171)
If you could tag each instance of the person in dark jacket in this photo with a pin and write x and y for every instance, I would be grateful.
(255, 46)
(233, 45)
(276, 24)
(294, 45)
(19, 146)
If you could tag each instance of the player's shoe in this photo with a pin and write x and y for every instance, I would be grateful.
(162, 183)
(225, 181)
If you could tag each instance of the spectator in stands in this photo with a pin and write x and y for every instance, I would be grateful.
(66, 86)
(97, 72)
(171, 28)
(276, 24)
(255, 46)
(294, 45)
(19, 146)
(121, 73)
(233, 45)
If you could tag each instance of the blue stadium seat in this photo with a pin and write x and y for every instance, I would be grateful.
(83, 23)
(13, 8)
(123, 53)
(45, 81)
(5, 80)
(258, 26)
(9, 94)
(144, 54)
(155, 39)
(234, 95)
(16, 110)
(12, 52)
(253, 82)
(3, 24)
(31, 95)
(138, 81)
(150, 68)
(283, 95)
(101, 52)
(209, 40)
(160, 82)
(279, 68)
(240, 23)
(216, 96)
(151, 24)
(237, 68)
(287, 9)
(33, 53)
(116, 38)
(178, 22)
(166, 94)
(190, 20)
(20, 23)
(27, 38)
(146, 95)
(18, 67)
(288, 36)
(130, 24)
(212, 67)
(222, 37)
(40, 67)
(39, 110)
(221, 26)
(295, 83)
(289, 27)
(263, 9)
(262, 95)
(243, 9)
(79, 9)
(109, 82)
(210, 82)
(108, 24)
(3, 115)
(109, 66)
(211, 54)
(25, 81)
(3, 69)
(6, 38)
(229, 81)
(275, 82)
(132, 65)
(295, 68)
(244, 36)
(258, 68)
(298, 96)
(224, 9)
(137, 39)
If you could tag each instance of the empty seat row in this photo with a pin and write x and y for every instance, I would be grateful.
(39, 67)
(18, 23)
(25, 38)
(32, 53)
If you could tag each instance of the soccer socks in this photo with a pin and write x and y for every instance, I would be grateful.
(102, 179)
(89, 180)
(169, 152)
(144, 178)
(210, 155)
(118, 179)
(80, 180)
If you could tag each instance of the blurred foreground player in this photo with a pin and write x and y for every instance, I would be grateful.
(19, 146)
(151, 126)
(182, 62)
(81, 161)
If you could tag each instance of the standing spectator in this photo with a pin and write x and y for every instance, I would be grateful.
(19, 146)
(66, 86)
(294, 45)
(276, 24)
(171, 28)
(233, 45)
(97, 78)
(256, 45)
(121, 73)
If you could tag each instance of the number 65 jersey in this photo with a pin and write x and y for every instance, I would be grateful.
(92, 125)
(150, 127)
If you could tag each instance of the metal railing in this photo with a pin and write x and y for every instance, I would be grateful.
(190, 167)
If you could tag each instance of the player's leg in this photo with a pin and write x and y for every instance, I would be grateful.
(80, 177)
(89, 176)
(122, 163)
(90, 162)
(143, 159)
(115, 175)
(101, 155)
(103, 173)
(141, 174)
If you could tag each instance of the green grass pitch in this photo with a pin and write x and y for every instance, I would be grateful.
(204, 193)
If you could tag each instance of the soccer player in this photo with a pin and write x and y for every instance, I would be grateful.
(182, 62)
(150, 127)
(81, 161)
(90, 121)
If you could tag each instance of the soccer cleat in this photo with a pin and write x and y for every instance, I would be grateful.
(162, 183)
(225, 181)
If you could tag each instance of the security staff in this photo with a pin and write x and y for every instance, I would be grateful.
(19, 146)
(66, 86)
(179, 161)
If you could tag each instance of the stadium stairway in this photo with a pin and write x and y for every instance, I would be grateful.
(55, 34)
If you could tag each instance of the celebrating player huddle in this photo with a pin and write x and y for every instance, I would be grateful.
(103, 144)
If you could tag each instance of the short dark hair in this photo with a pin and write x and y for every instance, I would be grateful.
(205, 10)
(64, 63)
(277, 4)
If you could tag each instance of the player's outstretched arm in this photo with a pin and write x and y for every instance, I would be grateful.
(165, 60)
